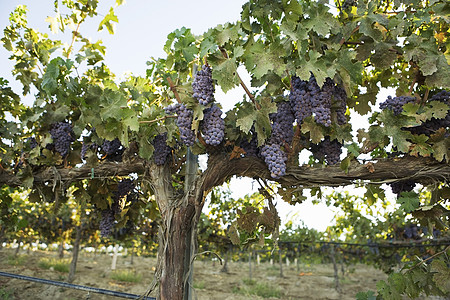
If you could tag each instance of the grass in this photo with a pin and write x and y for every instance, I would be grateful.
(17, 260)
(126, 276)
(199, 285)
(60, 265)
(252, 287)
(5, 294)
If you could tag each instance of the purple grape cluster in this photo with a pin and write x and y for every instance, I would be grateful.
(213, 126)
(340, 101)
(32, 142)
(402, 186)
(307, 98)
(321, 101)
(300, 99)
(275, 159)
(203, 86)
(396, 104)
(282, 124)
(161, 149)
(112, 147)
(124, 188)
(184, 122)
(62, 135)
(250, 146)
(328, 150)
(106, 222)
(348, 3)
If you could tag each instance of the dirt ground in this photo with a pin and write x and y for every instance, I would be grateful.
(307, 282)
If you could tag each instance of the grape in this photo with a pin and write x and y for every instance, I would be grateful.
(340, 98)
(213, 126)
(203, 86)
(62, 135)
(184, 122)
(349, 3)
(106, 222)
(112, 147)
(161, 149)
(282, 124)
(327, 150)
(275, 159)
(321, 101)
(396, 104)
(306, 99)
(33, 142)
(250, 146)
(299, 99)
(402, 186)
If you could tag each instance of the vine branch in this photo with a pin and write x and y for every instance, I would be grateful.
(174, 89)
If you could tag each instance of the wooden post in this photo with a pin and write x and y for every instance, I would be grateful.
(336, 273)
(258, 259)
(114, 259)
(76, 250)
(280, 260)
(250, 265)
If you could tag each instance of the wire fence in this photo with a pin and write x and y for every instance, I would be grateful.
(76, 286)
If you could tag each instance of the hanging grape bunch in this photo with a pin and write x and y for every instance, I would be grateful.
(250, 146)
(327, 150)
(184, 122)
(402, 186)
(161, 149)
(62, 135)
(396, 104)
(275, 159)
(282, 124)
(307, 99)
(125, 192)
(203, 86)
(213, 126)
(299, 99)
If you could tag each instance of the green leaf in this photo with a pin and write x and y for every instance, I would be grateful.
(245, 117)
(106, 22)
(226, 74)
(225, 33)
(441, 150)
(409, 201)
(315, 130)
(441, 275)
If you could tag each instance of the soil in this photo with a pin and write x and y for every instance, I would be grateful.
(298, 282)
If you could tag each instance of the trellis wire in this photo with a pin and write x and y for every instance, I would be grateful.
(76, 286)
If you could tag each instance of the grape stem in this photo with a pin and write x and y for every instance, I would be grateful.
(431, 257)
(344, 40)
(173, 89)
(247, 91)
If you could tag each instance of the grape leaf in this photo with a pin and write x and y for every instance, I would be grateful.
(441, 275)
(315, 131)
(408, 201)
(226, 74)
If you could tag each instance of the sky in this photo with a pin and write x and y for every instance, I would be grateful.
(141, 34)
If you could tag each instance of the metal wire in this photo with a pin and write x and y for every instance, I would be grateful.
(76, 286)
